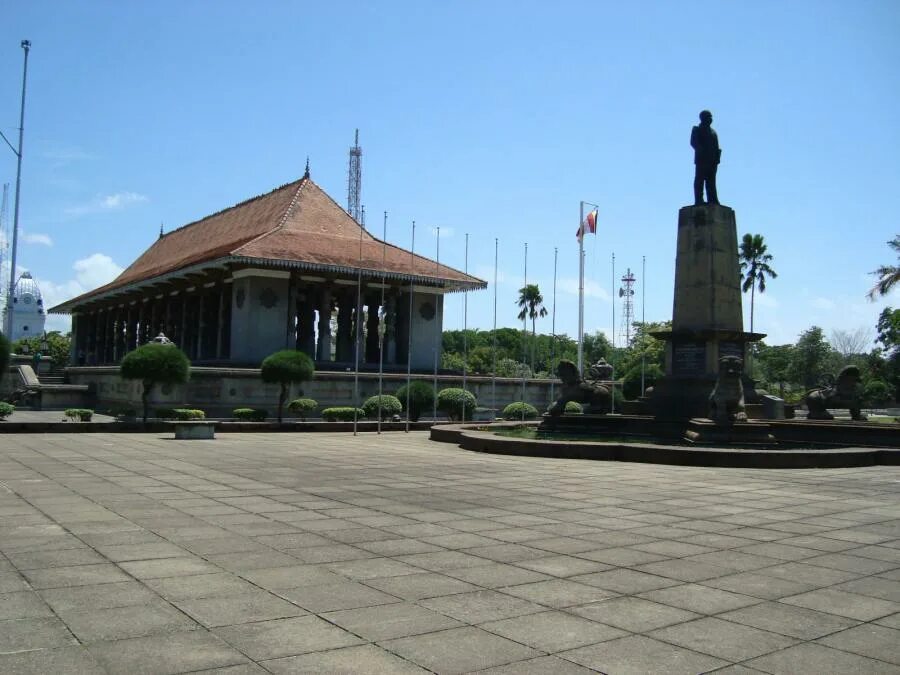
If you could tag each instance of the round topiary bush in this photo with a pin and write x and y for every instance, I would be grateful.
(456, 404)
(573, 408)
(80, 414)
(390, 406)
(421, 398)
(301, 407)
(155, 363)
(250, 414)
(6, 409)
(342, 414)
(285, 368)
(188, 414)
(519, 411)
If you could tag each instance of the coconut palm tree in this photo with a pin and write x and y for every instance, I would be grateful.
(755, 265)
(532, 303)
(888, 275)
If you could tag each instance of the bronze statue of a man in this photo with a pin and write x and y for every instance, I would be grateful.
(707, 154)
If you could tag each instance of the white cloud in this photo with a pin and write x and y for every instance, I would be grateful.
(592, 289)
(95, 270)
(113, 202)
(35, 238)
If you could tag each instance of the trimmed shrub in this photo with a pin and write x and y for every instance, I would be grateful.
(573, 408)
(390, 406)
(80, 414)
(164, 413)
(285, 368)
(155, 363)
(188, 414)
(250, 414)
(519, 411)
(6, 409)
(421, 398)
(876, 392)
(301, 407)
(342, 414)
(455, 403)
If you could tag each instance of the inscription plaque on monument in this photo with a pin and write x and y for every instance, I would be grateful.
(731, 349)
(688, 358)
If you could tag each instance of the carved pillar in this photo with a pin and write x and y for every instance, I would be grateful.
(201, 321)
(373, 303)
(306, 323)
(129, 330)
(390, 327)
(323, 348)
(95, 343)
(182, 328)
(220, 322)
(344, 350)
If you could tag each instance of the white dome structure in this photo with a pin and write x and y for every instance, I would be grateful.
(29, 316)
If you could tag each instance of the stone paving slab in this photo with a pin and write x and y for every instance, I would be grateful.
(286, 553)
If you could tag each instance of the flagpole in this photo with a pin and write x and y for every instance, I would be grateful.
(494, 335)
(581, 288)
(553, 328)
(465, 324)
(437, 325)
(643, 318)
(611, 288)
(358, 324)
(409, 320)
(525, 334)
(381, 324)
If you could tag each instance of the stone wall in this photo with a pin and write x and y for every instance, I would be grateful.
(219, 390)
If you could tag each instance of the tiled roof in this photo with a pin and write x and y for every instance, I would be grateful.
(295, 225)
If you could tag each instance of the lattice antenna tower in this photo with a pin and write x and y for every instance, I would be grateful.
(354, 181)
(4, 245)
(626, 292)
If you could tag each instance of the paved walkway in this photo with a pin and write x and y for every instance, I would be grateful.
(382, 554)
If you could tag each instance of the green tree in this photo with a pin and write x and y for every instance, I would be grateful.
(755, 265)
(284, 368)
(57, 343)
(888, 275)
(5, 350)
(155, 363)
(775, 364)
(813, 357)
(531, 303)
(888, 367)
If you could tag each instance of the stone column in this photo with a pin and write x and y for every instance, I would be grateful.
(344, 352)
(372, 321)
(182, 329)
(220, 322)
(201, 321)
(323, 349)
(390, 327)
(306, 323)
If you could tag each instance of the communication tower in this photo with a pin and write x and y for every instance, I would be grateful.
(626, 292)
(354, 181)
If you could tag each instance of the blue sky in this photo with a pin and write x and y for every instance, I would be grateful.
(488, 118)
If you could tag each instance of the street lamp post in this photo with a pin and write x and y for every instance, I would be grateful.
(26, 45)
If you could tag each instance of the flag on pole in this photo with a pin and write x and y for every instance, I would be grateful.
(588, 225)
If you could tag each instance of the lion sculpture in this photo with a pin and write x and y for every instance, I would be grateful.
(591, 394)
(726, 403)
(844, 393)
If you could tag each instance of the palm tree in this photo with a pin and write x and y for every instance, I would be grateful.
(888, 275)
(532, 303)
(755, 263)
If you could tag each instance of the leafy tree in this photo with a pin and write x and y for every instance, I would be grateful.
(532, 305)
(851, 343)
(155, 363)
(812, 358)
(457, 404)
(755, 265)
(4, 355)
(57, 343)
(421, 398)
(775, 364)
(888, 275)
(888, 368)
(594, 347)
(286, 367)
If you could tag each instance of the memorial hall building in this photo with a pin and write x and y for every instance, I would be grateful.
(289, 269)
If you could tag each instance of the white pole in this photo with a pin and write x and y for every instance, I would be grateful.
(612, 288)
(524, 333)
(580, 288)
(465, 325)
(358, 324)
(409, 321)
(437, 324)
(381, 326)
(553, 328)
(643, 319)
(494, 335)
(26, 45)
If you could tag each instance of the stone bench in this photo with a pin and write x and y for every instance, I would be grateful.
(194, 429)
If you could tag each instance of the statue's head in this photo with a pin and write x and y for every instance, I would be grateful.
(848, 378)
(706, 116)
(567, 372)
(731, 367)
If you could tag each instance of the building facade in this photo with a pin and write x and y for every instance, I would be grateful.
(28, 315)
(289, 269)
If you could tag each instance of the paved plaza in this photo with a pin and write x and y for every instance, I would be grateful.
(330, 553)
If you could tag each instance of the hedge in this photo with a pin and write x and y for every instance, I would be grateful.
(342, 414)
(250, 414)
(188, 414)
(302, 406)
(81, 414)
(6, 409)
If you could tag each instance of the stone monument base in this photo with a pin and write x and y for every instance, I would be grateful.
(701, 431)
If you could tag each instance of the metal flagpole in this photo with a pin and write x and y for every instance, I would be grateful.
(409, 320)
(381, 324)
(465, 325)
(437, 324)
(358, 324)
(553, 328)
(643, 319)
(613, 302)
(525, 334)
(581, 288)
(26, 45)
(494, 336)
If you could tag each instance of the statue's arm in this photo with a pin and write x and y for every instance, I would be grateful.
(694, 140)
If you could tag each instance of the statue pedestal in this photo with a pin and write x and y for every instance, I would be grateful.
(707, 317)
